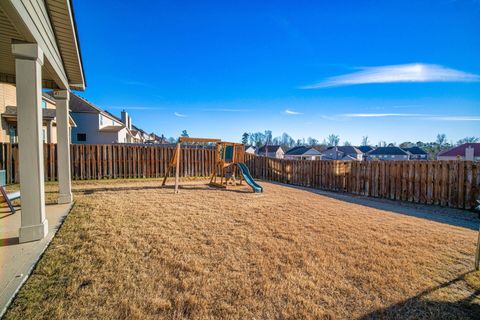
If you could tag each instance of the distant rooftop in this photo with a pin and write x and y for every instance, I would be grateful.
(365, 149)
(271, 148)
(299, 150)
(397, 151)
(416, 150)
(460, 150)
(347, 149)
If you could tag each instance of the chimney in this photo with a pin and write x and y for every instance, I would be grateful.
(129, 122)
(125, 117)
(469, 153)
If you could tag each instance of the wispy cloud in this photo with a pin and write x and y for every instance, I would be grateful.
(380, 115)
(180, 115)
(225, 110)
(292, 112)
(457, 118)
(136, 83)
(136, 108)
(416, 72)
(411, 115)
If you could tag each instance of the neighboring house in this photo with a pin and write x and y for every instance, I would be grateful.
(388, 153)
(303, 153)
(271, 151)
(417, 153)
(159, 139)
(94, 125)
(466, 151)
(136, 135)
(8, 111)
(342, 153)
(97, 126)
(146, 137)
(365, 150)
(141, 136)
(127, 122)
(250, 149)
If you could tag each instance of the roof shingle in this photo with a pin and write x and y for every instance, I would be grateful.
(460, 150)
(393, 151)
(271, 148)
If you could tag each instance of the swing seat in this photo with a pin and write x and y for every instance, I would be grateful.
(9, 197)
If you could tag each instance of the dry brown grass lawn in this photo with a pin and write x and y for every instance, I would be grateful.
(132, 250)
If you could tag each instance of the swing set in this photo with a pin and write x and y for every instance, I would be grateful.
(229, 167)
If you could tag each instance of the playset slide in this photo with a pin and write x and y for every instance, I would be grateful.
(248, 177)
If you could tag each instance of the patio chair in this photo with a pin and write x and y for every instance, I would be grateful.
(9, 197)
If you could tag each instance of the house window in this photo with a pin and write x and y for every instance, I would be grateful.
(44, 135)
(13, 135)
(44, 104)
(81, 137)
(101, 120)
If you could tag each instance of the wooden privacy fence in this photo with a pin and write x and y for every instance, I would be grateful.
(137, 161)
(113, 161)
(447, 183)
(10, 163)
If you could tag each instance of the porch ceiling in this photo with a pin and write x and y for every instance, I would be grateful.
(50, 24)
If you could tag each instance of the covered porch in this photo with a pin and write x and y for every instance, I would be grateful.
(39, 50)
(18, 259)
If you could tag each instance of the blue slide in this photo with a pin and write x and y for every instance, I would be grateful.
(248, 178)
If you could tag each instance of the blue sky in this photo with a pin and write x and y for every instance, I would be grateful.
(393, 70)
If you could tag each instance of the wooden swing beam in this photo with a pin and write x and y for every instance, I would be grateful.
(175, 161)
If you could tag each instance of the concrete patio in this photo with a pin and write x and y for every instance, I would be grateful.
(18, 259)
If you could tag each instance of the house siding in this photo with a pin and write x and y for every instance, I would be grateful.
(89, 124)
(388, 157)
(8, 98)
(455, 158)
(302, 157)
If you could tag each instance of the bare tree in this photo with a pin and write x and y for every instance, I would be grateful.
(468, 140)
(365, 141)
(268, 136)
(441, 139)
(245, 137)
(312, 141)
(333, 140)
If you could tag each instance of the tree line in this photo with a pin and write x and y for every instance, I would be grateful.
(258, 139)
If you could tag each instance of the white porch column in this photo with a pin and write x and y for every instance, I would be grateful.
(28, 65)
(63, 146)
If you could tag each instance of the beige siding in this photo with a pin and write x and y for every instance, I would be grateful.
(8, 97)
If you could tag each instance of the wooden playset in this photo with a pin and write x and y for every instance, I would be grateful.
(229, 169)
